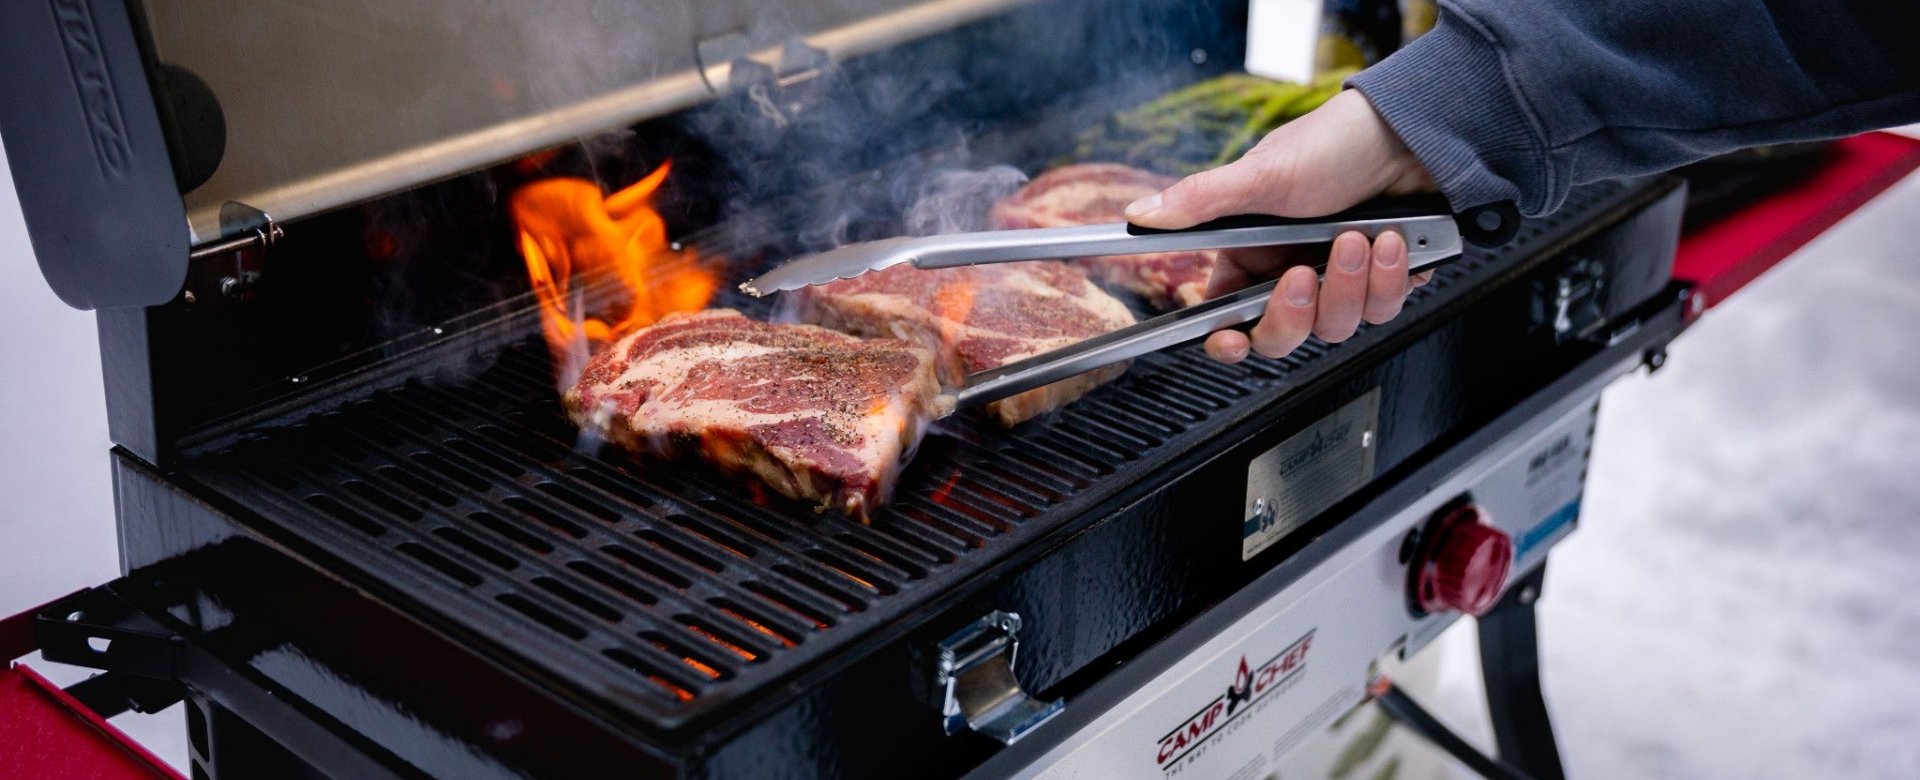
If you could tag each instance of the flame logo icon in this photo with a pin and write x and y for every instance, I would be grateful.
(1242, 689)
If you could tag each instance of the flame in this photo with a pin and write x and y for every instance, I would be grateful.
(569, 229)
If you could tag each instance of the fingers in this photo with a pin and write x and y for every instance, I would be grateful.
(1227, 346)
(1387, 283)
(1257, 183)
(1362, 282)
(1345, 290)
(1233, 271)
(1290, 314)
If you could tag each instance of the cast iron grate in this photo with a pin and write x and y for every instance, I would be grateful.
(665, 588)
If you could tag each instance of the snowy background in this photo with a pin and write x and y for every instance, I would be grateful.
(1734, 605)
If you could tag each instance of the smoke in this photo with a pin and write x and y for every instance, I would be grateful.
(957, 201)
(921, 137)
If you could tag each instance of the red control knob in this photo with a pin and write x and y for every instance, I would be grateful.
(1464, 563)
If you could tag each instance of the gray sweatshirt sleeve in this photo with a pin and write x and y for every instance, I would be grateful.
(1522, 99)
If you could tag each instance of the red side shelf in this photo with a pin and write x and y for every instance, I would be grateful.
(1724, 256)
(45, 733)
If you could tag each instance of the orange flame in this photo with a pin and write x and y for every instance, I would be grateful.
(568, 229)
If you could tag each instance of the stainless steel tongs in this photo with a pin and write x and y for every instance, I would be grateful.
(1434, 236)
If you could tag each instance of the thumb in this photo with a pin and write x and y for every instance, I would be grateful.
(1256, 183)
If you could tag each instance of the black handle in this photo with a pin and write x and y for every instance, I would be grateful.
(1488, 225)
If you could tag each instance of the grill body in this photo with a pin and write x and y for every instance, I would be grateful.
(419, 553)
(359, 531)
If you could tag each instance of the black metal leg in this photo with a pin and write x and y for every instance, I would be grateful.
(1510, 661)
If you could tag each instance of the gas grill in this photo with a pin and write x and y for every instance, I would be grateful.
(362, 539)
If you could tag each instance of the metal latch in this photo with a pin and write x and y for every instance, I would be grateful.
(974, 686)
(1573, 301)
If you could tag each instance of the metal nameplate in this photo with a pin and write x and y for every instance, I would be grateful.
(1309, 472)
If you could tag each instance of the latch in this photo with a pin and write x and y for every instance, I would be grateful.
(974, 686)
(1573, 302)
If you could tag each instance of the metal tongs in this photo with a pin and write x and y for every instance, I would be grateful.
(1433, 233)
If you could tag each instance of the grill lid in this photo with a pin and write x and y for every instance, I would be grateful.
(289, 109)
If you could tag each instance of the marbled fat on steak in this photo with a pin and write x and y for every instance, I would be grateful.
(819, 416)
(979, 317)
(1092, 193)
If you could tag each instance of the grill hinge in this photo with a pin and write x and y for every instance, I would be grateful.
(973, 682)
(227, 270)
(248, 227)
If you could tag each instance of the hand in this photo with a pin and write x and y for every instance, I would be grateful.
(1333, 158)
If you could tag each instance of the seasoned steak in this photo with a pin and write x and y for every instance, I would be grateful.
(1092, 193)
(819, 416)
(979, 317)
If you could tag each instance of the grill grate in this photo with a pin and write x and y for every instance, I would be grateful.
(667, 588)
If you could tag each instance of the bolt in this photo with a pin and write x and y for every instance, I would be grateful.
(1655, 358)
(1529, 594)
(1264, 510)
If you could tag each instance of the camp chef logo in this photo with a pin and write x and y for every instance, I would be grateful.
(1250, 688)
(86, 59)
(1549, 459)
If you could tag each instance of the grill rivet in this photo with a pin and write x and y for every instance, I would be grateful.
(503, 730)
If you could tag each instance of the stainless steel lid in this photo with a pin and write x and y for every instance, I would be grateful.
(329, 102)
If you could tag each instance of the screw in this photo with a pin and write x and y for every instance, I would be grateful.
(1529, 594)
(1655, 358)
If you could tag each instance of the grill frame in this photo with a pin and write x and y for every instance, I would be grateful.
(445, 551)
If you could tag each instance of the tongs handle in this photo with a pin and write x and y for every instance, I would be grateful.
(1487, 226)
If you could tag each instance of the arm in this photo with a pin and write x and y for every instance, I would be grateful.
(1522, 99)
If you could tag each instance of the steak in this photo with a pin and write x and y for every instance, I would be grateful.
(979, 317)
(819, 416)
(1092, 193)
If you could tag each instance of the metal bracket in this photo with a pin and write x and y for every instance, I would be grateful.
(100, 629)
(96, 630)
(974, 682)
(730, 63)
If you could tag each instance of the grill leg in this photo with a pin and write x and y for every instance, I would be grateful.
(1510, 662)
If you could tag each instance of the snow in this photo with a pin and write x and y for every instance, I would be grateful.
(1736, 601)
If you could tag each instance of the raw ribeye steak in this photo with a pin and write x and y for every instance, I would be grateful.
(1091, 193)
(979, 317)
(819, 416)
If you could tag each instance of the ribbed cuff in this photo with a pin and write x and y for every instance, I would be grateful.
(1448, 97)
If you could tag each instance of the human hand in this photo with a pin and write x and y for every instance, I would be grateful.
(1331, 159)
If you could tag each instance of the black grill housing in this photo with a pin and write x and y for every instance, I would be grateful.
(664, 589)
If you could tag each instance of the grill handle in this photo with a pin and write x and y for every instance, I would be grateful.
(1486, 226)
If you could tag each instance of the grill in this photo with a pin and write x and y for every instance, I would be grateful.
(356, 553)
(661, 586)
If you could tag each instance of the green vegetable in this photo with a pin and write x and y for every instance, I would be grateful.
(1202, 125)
